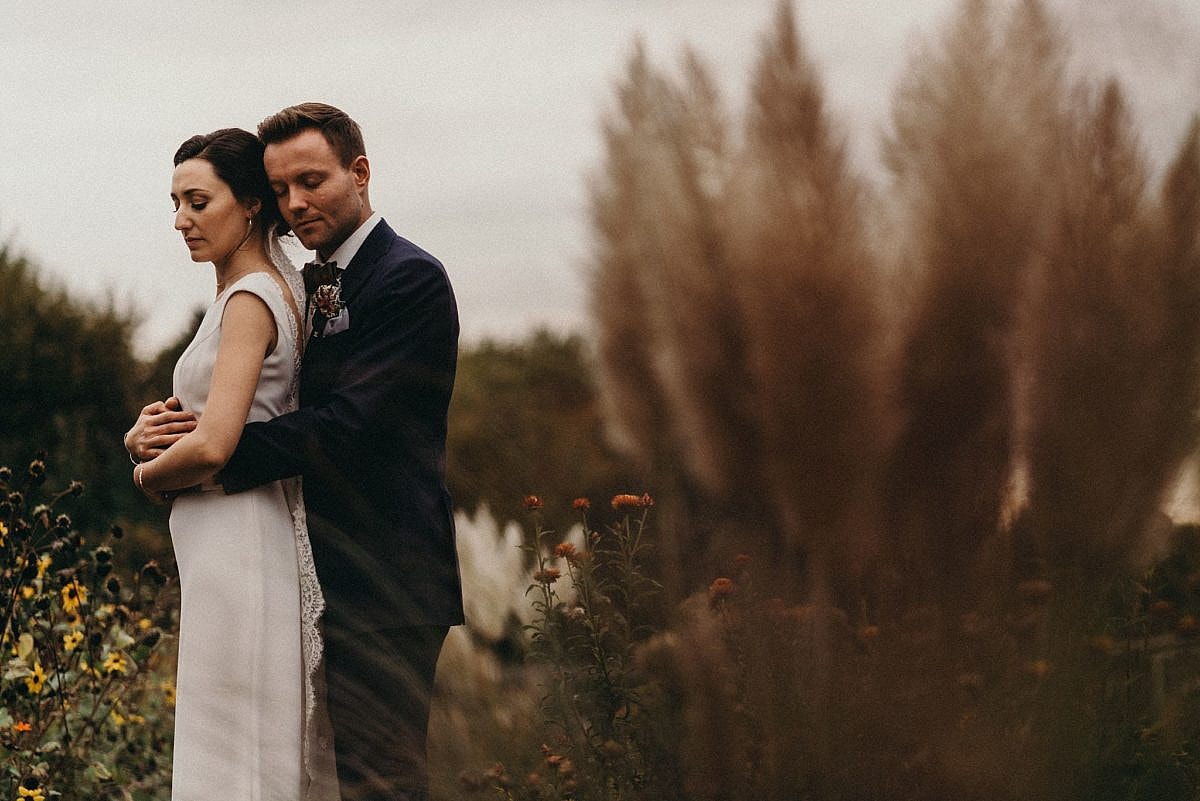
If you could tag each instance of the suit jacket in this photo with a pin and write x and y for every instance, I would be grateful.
(369, 440)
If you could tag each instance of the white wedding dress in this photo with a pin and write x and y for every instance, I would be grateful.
(249, 719)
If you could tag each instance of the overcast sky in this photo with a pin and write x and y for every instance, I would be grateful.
(480, 119)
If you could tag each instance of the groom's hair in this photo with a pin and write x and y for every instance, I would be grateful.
(341, 132)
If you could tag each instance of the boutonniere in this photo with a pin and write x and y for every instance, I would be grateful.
(328, 300)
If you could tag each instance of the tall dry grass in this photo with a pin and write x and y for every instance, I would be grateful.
(937, 487)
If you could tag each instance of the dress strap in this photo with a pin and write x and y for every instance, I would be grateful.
(262, 285)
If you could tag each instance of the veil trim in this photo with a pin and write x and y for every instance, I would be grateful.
(316, 738)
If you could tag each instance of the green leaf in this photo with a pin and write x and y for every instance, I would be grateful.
(17, 670)
(120, 638)
(24, 646)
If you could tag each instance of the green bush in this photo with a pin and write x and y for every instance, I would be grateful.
(86, 708)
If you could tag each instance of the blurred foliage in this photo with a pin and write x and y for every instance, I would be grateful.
(524, 420)
(609, 729)
(157, 374)
(73, 387)
(1045, 699)
(86, 700)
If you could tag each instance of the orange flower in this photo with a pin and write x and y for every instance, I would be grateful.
(868, 632)
(547, 576)
(581, 504)
(629, 501)
(1035, 590)
(532, 502)
(1038, 668)
(21, 725)
(564, 550)
(720, 589)
(1162, 608)
(742, 561)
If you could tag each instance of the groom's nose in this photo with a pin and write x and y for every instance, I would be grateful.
(297, 200)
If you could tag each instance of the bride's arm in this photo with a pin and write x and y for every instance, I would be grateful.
(247, 336)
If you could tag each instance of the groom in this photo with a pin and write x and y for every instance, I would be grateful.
(369, 439)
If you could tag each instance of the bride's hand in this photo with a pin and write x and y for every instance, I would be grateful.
(160, 425)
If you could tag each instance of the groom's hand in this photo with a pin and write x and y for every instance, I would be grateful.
(160, 425)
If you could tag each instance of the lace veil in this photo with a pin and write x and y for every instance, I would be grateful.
(316, 736)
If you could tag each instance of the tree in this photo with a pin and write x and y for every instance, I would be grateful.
(70, 378)
(524, 421)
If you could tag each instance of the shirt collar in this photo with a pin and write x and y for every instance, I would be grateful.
(349, 249)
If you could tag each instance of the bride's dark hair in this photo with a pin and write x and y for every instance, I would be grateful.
(237, 158)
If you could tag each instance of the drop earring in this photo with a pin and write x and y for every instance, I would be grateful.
(249, 229)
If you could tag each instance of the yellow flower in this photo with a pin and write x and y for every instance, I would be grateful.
(144, 624)
(117, 718)
(27, 592)
(43, 564)
(37, 681)
(115, 663)
(168, 689)
(3, 533)
(36, 794)
(71, 641)
(73, 596)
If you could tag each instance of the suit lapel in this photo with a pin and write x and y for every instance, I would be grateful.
(362, 266)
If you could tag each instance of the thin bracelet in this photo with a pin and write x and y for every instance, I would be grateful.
(133, 458)
(137, 474)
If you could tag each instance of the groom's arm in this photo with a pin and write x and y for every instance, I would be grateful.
(407, 347)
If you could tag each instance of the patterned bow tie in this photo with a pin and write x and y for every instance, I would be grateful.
(316, 275)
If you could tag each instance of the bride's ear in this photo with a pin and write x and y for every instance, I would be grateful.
(254, 207)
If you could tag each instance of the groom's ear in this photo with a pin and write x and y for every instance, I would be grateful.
(360, 168)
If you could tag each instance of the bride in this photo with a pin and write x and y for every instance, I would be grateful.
(248, 722)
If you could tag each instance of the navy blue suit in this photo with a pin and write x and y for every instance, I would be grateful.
(369, 440)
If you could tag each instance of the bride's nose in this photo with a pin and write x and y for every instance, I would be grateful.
(181, 220)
